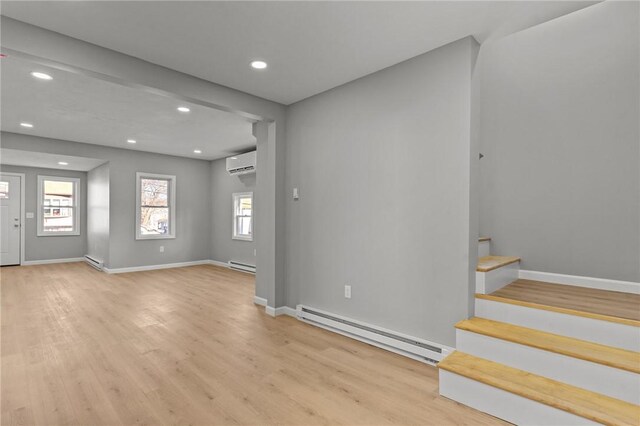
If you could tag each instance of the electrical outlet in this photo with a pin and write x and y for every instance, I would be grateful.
(161, 249)
(347, 292)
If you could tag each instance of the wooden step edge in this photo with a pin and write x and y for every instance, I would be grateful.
(498, 262)
(581, 402)
(601, 317)
(483, 239)
(622, 359)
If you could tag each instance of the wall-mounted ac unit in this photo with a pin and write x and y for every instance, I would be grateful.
(242, 164)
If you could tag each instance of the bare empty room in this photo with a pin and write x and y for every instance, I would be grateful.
(320, 213)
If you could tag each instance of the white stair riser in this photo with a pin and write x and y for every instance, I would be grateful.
(502, 404)
(484, 248)
(613, 382)
(593, 330)
(488, 282)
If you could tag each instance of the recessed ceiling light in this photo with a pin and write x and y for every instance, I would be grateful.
(131, 141)
(41, 75)
(184, 109)
(29, 125)
(259, 65)
(63, 163)
(197, 151)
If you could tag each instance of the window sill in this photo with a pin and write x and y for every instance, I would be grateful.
(58, 234)
(155, 237)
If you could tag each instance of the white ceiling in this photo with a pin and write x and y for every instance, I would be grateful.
(16, 157)
(83, 109)
(310, 46)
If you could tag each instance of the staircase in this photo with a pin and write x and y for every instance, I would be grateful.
(545, 354)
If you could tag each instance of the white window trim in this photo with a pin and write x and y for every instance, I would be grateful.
(76, 206)
(235, 196)
(172, 206)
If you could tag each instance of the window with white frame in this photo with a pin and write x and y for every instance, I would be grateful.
(243, 216)
(58, 202)
(155, 206)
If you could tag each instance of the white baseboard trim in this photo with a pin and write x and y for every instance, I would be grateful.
(161, 266)
(589, 282)
(49, 261)
(282, 310)
(285, 310)
(260, 301)
(154, 267)
(218, 263)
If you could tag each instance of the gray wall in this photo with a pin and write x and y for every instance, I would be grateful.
(369, 157)
(46, 44)
(98, 213)
(559, 130)
(223, 247)
(50, 247)
(193, 195)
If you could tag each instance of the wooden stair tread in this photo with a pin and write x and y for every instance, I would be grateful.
(588, 351)
(606, 305)
(481, 239)
(489, 263)
(581, 402)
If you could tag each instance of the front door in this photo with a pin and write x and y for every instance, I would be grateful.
(10, 219)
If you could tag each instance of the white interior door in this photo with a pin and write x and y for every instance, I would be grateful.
(10, 219)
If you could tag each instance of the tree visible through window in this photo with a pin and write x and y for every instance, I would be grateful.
(243, 216)
(57, 206)
(156, 209)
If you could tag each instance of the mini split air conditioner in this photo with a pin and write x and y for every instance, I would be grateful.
(242, 164)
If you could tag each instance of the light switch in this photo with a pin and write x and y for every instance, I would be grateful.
(29, 215)
(296, 196)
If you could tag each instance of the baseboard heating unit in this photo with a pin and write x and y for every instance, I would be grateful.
(412, 347)
(245, 267)
(93, 262)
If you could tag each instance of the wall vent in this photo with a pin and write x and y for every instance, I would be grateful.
(412, 347)
(93, 262)
(245, 267)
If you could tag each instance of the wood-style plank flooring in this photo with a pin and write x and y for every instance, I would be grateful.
(188, 346)
(601, 302)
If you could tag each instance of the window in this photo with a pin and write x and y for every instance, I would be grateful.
(4, 189)
(58, 201)
(242, 216)
(155, 206)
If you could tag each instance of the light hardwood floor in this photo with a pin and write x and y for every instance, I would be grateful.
(188, 346)
(600, 302)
